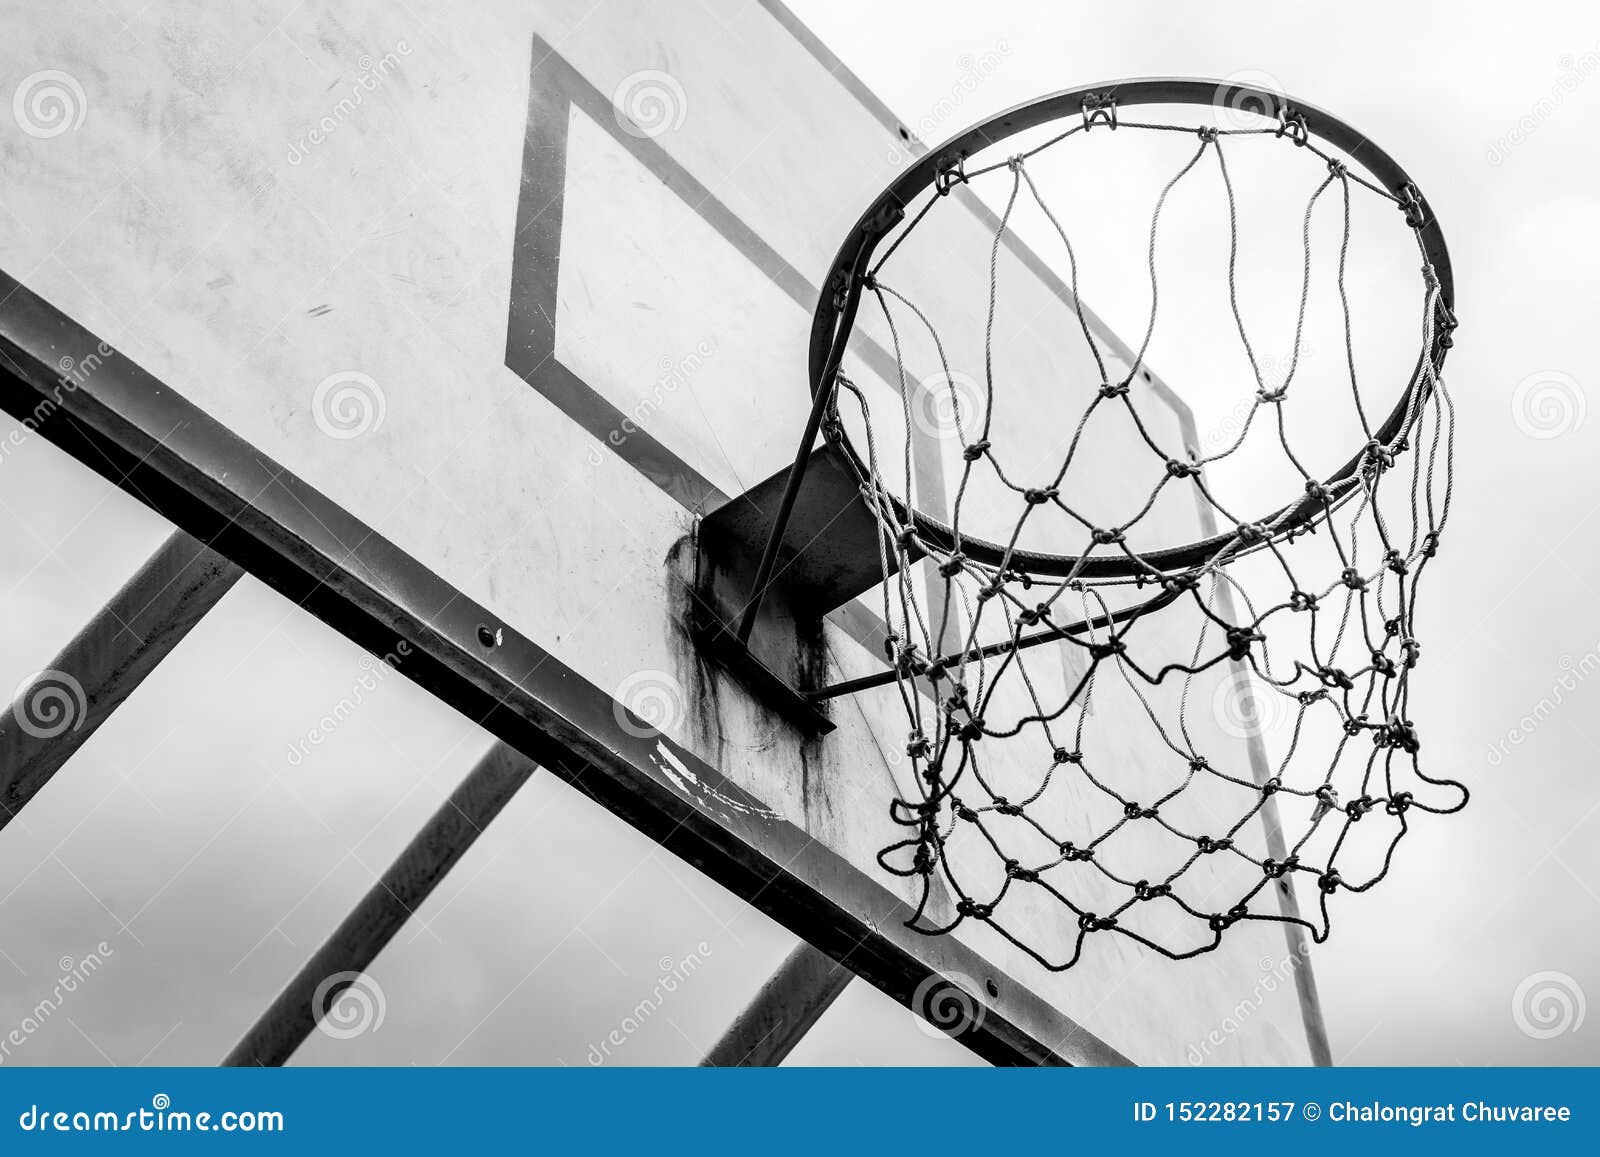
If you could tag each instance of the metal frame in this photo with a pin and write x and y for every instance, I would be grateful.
(1096, 104)
(142, 435)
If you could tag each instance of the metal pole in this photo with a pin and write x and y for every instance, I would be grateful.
(789, 1003)
(386, 907)
(64, 704)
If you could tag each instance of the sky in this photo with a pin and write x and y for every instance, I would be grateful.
(186, 849)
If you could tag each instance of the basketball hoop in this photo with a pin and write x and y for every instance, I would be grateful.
(1353, 671)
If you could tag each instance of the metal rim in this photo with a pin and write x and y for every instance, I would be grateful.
(841, 296)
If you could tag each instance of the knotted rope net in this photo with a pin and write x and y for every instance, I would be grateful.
(1026, 791)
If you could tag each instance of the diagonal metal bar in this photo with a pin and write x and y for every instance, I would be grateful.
(401, 890)
(791, 1001)
(60, 707)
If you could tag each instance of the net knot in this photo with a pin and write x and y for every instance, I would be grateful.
(1399, 803)
(1411, 652)
(1207, 845)
(906, 537)
(1014, 163)
(1199, 764)
(1031, 615)
(1398, 733)
(1180, 469)
(1106, 537)
(1383, 665)
(1098, 651)
(1351, 578)
(974, 909)
(1316, 490)
(952, 566)
(1277, 869)
(1359, 807)
(1271, 397)
(1430, 544)
(1396, 562)
(1239, 640)
(1062, 755)
(1354, 724)
(1307, 698)
(1271, 787)
(1089, 922)
(1251, 532)
(1179, 583)
(1133, 811)
(975, 451)
(1040, 495)
(1334, 677)
(1329, 882)
(1017, 872)
(917, 745)
(1145, 890)
(1005, 807)
(964, 812)
(1302, 601)
(1119, 390)
(1208, 133)
(1293, 126)
(1222, 921)
(1071, 853)
(1338, 168)
(1379, 456)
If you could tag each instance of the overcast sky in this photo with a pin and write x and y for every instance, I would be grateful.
(182, 839)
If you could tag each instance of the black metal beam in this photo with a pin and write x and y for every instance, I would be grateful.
(383, 911)
(791, 1001)
(105, 662)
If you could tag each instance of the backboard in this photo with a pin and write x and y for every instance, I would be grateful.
(454, 323)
